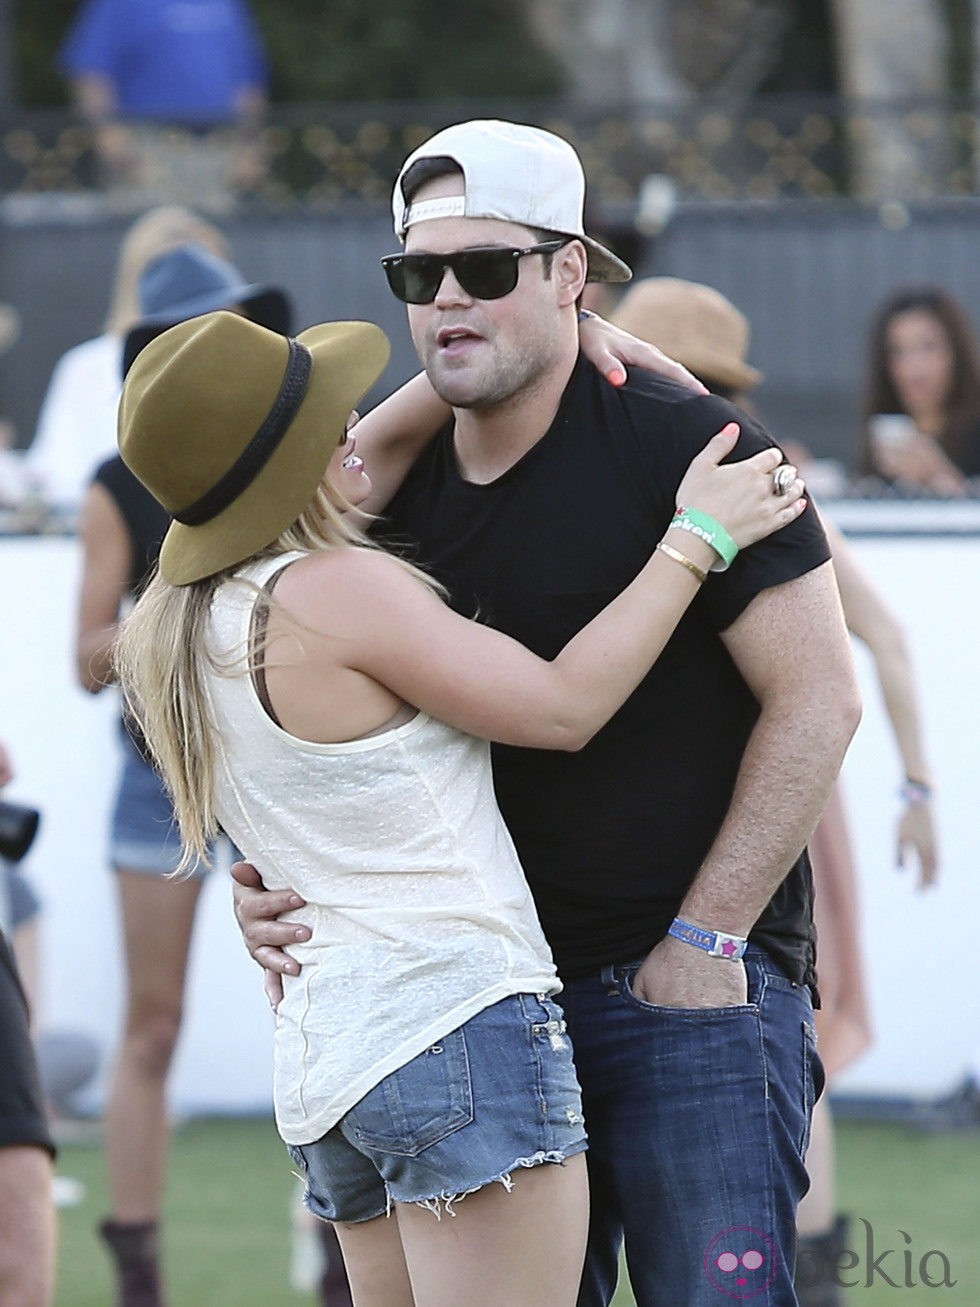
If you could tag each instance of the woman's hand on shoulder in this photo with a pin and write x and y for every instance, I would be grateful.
(609, 348)
(742, 496)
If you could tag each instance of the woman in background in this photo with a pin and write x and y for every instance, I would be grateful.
(76, 427)
(121, 530)
(922, 394)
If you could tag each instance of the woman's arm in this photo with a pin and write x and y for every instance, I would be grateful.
(480, 680)
(869, 618)
(391, 437)
(609, 348)
(106, 565)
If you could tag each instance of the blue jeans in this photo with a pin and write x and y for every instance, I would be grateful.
(698, 1125)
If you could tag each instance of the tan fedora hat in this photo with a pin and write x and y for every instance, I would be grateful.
(230, 426)
(694, 324)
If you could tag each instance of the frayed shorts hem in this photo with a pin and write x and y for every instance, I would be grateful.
(445, 1202)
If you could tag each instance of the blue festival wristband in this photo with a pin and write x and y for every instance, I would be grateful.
(714, 942)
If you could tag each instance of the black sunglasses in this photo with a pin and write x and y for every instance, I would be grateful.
(486, 274)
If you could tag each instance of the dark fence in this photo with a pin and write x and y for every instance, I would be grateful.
(807, 271)
(766, 148)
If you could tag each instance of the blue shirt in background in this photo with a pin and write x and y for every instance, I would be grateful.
(183, 61)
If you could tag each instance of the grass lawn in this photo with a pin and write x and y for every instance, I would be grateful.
(227, 1217)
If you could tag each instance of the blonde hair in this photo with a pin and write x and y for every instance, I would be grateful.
(151, 235)
(160, 657)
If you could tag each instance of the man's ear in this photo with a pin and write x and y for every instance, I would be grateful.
(569, 271)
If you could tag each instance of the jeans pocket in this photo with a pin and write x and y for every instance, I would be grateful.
(420, 1103)
(692, 1013)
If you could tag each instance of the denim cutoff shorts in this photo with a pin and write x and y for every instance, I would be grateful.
(144, 836)
(498, 1094)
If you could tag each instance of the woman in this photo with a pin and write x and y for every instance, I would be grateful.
(76, 427)
(315, 696)
(924, 367)
(121, 530)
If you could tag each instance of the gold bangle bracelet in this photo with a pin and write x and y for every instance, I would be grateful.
(684, 561)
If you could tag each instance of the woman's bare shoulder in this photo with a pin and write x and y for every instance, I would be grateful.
(345, 578)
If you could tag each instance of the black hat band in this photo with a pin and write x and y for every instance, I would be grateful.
(261, 447)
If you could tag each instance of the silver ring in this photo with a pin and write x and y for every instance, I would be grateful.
(783, 478)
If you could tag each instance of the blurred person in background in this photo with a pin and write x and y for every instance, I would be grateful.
(67, 1058)
(9, 331)
(122, 527)
(699, 327)
(12, 481)
(175, 93)
(76, 426)
(921, 406)
(27, 1222)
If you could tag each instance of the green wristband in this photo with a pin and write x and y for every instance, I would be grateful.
(710, 531)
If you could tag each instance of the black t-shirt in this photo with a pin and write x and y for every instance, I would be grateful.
(611, 837)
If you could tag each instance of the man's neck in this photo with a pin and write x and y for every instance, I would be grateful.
(489, 441)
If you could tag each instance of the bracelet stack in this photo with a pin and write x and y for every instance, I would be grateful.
(710, 531)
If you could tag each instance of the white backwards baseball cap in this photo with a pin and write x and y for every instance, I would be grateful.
(515, 173)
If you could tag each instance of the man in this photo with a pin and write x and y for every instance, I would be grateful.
(27, 1228)
(702, 329)
(174, 91)
(679, 831)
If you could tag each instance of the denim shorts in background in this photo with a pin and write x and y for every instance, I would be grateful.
(498, 1094)
(143, 834)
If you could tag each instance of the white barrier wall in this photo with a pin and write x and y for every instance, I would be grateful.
(64, 743)
(920, 948)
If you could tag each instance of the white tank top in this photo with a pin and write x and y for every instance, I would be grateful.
(419, 910)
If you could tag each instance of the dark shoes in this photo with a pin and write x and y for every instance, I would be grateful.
(135, 1251)
(817, 1276)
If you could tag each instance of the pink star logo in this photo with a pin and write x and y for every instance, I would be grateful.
(728, 948)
